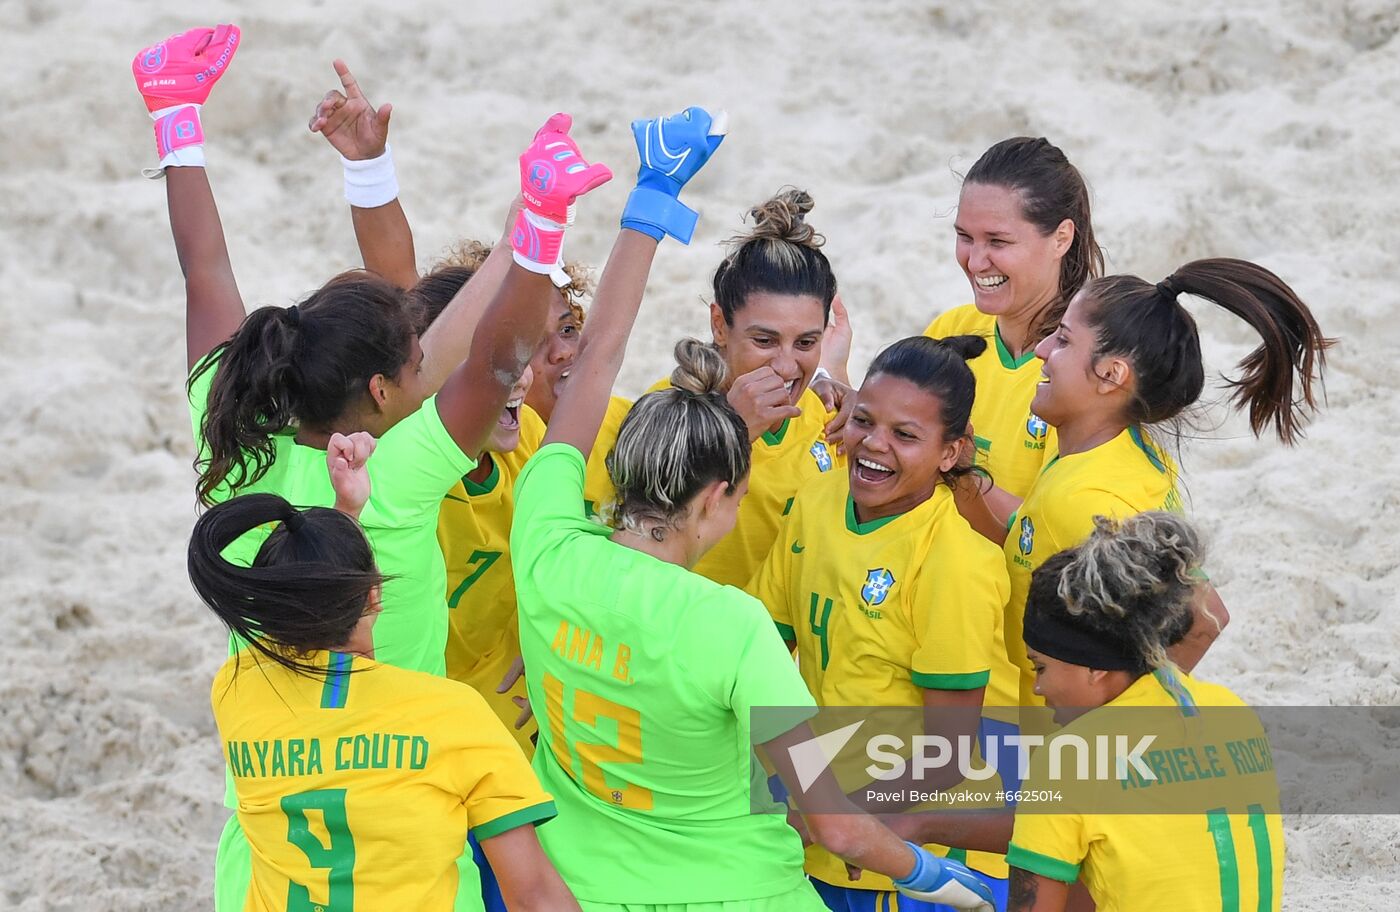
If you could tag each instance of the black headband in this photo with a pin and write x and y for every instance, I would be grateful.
(1061, 637)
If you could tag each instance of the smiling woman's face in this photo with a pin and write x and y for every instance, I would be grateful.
(1013, 268)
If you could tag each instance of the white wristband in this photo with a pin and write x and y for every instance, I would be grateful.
(371, 183)
(820, 373)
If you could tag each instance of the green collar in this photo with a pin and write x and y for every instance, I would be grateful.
(861, 528)
(1148, 450)
(487, 486)
(773, 438)
(1004, 353)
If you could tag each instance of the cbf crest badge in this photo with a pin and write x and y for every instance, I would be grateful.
(1036, 427)
(878, 584)
(822, 455)
(1027, 540)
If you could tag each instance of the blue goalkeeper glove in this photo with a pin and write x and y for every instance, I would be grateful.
(942, 880)
(672, 150)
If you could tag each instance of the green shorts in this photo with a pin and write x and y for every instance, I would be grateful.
(801, 898)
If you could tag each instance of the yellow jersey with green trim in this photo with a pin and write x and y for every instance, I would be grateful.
(357, 788)
(784, 462)
(483, 637)
(598, 490)
(1123, 477)
(1219, 860)
(1012, 441)
(882, 611)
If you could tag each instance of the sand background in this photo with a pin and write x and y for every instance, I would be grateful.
(1264, 130)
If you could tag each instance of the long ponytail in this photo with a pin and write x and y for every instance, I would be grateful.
(310, 583)
(302, 366)
(1146, 324)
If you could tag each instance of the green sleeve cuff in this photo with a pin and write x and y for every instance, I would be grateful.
(538, 813)
(970, 681)
(787, 633)
(1044, 865)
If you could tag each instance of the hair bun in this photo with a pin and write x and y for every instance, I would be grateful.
(966, 347)
(783, 218)
(700, 368)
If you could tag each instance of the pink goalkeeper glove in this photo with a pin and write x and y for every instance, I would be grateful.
(174, 78)
(553, 174)
(183, 68)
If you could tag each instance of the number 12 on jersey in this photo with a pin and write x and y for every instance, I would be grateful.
(589, 710)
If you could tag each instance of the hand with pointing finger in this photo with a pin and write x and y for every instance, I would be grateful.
(353, 126)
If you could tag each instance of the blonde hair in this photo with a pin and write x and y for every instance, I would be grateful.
(676, 441)
(579, 290)
(1139, 576)
(466, 253)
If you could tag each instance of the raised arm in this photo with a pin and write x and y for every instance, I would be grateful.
(360, 133)
(449, 339)
(213, 306)
(672, 150)
(175, 77)
(553, 175)
(579, 412)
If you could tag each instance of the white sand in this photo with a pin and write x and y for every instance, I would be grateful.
(1267, 132)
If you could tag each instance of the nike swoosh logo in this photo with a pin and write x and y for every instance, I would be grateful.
(797, 548)
(665, 158)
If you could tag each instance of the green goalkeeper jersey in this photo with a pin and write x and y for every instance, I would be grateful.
(643, 675)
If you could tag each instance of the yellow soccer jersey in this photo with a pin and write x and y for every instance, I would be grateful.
(1012, 441)
(358, 789)
(483, 638)
(784, 462)
(881, 611)
(1229, 858)
(1123, 477)
(598, 489)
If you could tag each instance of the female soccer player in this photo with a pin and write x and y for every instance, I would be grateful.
(1101, 619)
(1127, 355)
(645, 673)
(357, 781)
(268, 390)
(890, 597)
(1025, 241)
(772, 300)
